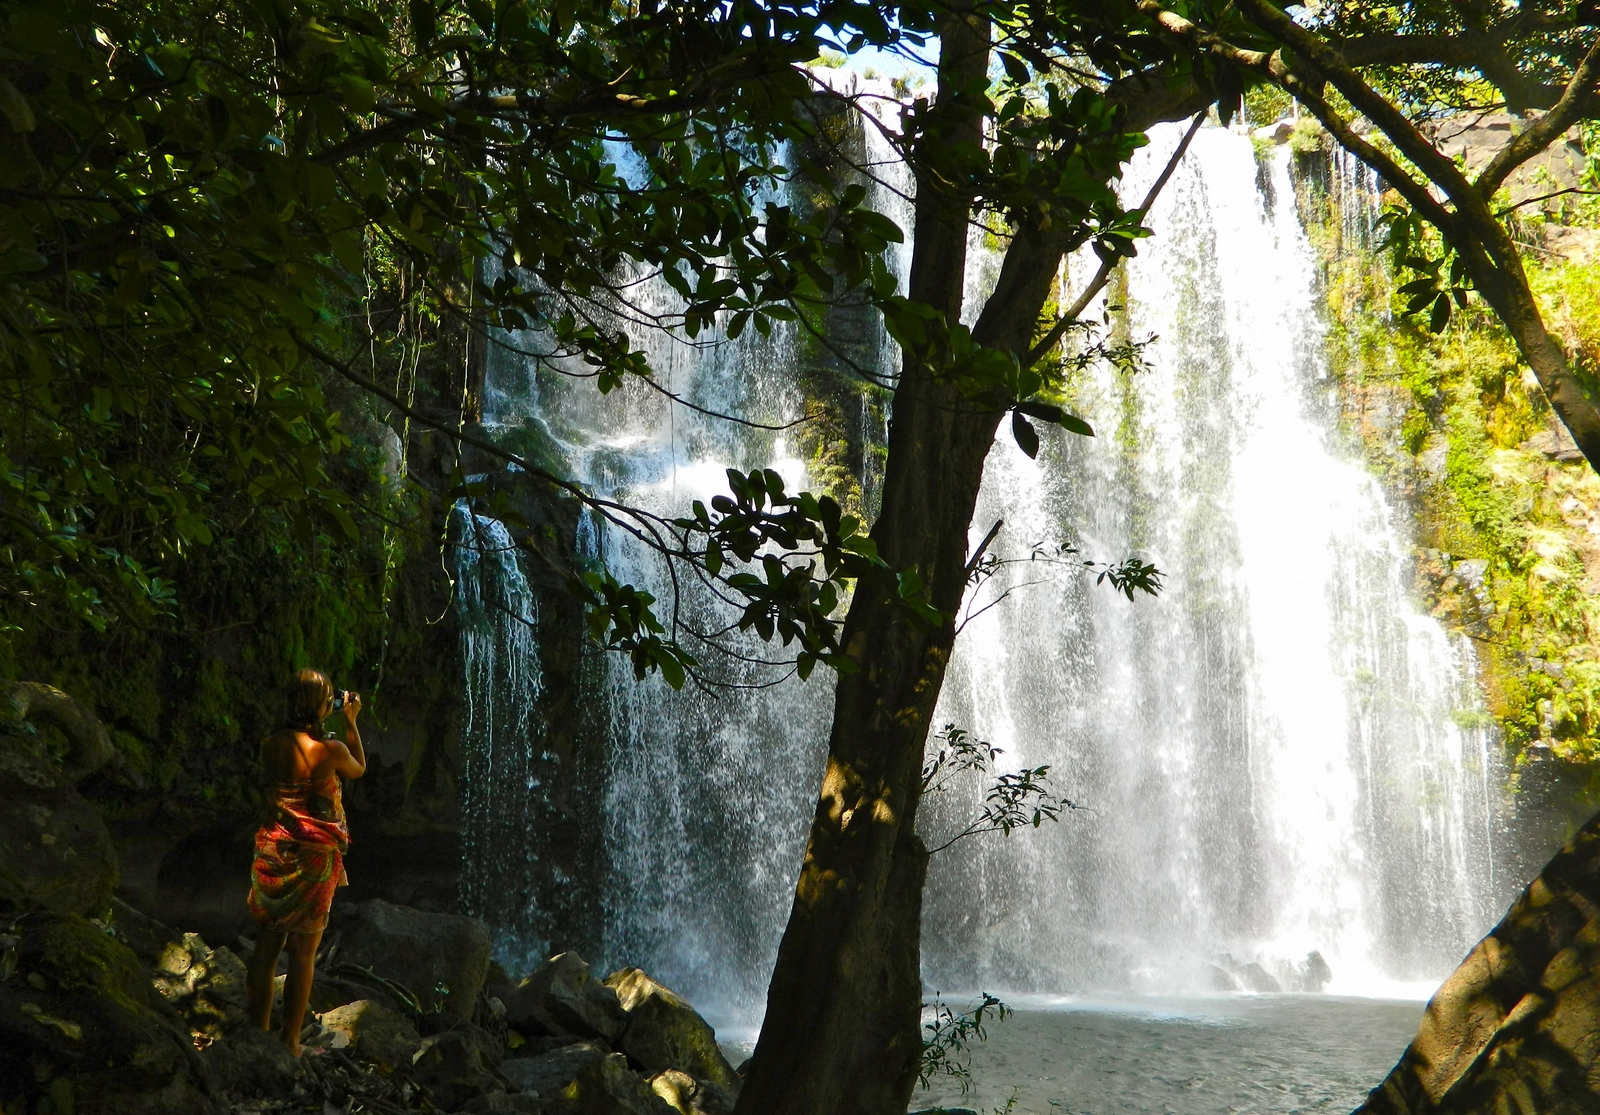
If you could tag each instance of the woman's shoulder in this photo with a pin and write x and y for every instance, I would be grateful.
(290, 753)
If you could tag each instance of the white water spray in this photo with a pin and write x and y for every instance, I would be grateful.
(1271, 749)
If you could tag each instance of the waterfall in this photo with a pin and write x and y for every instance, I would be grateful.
(706, 797)
(1279, 753)
(504, 801)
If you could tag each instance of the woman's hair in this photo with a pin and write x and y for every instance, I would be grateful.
(307, 694)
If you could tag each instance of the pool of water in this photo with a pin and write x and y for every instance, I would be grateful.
(1231, 1055)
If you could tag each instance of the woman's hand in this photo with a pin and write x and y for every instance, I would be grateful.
(352, 707)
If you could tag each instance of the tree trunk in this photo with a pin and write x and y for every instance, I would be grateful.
(842, 1032)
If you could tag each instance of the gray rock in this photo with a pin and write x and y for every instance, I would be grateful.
(455, 1067)
(498, 983)
(544, 1043)
(609, 1087)
(1221, 979)
(56, 850)
(1257, 978)
(252, 1064)
(370, 1031)
(329, 992)
(205, 984)
(1316, 974)
(80, 1014)
(562, 996)
(688, 1096)
(89, 745)
(548, 1073)
(1472, 572)
(440, 958)
(147, 937)
(665, 1032)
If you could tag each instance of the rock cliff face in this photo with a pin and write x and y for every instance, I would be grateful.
(1517, 1026)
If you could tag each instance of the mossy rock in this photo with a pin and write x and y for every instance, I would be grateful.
(665, 1032)
(81, 1023)
(55, 852)
(608, 1086)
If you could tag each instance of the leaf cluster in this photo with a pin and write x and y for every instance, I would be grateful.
(1440, 282)
(1015, 799)
(786, 537)
(950, 1037)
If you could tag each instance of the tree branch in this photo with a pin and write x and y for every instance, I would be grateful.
(1103, 275)
(1575, 99)
(1438, 167)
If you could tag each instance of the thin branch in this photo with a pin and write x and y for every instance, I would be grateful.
(1103, 275)
(1544, 197)
(977, 555)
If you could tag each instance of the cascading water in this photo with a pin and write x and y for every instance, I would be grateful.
(1269, 748)
(706, 797)
(504, 806)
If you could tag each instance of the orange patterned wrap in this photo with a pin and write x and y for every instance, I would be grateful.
(299, 856)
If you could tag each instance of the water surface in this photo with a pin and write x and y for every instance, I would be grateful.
(1234, 1055)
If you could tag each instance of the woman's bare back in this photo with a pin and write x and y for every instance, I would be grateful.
(294, 756)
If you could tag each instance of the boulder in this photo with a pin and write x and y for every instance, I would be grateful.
(455, 1066)
(147, 937)
(80, 1018)
(88, 744)
(441, 958)
(563, 996)
(1315, 973)
(1517, 1026)
(548, 1073)
(688, 1096)
(252, 1064)
(329, 992)
(665, 1032)
(609, 1087)
(498, 984)
(56, 850)
(370, 1031)
(1257, 978)
(205, 984)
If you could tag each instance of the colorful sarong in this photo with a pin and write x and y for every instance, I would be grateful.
(299, 856)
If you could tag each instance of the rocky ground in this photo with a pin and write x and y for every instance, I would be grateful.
(106, 1011)
(127, 1015)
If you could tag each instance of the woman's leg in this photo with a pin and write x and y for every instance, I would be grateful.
(258, 978)
(297, 987)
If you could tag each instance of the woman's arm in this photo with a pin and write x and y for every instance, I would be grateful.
(353, 762)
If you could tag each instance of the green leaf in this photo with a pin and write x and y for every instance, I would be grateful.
(1044, 412)
(1027, 437)
(1016, 69)
(671, 669)
(1441, 314)
(1073, 424)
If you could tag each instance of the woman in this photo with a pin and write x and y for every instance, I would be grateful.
(300, 847)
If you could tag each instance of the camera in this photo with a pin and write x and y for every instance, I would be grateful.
(340, 697)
